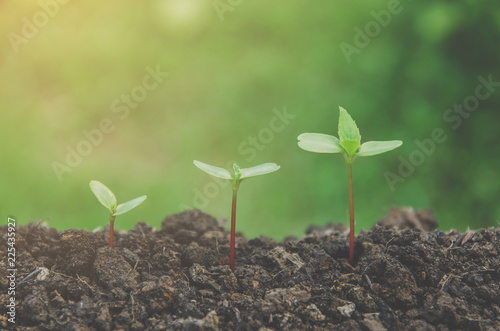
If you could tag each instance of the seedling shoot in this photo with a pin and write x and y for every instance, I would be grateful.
(236, 178)
(108, 200)
(349, 145)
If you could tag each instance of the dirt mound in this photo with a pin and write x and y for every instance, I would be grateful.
(177, 278)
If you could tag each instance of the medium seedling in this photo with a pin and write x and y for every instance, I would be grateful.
(108, 200)
(350, 146)
(238, 176)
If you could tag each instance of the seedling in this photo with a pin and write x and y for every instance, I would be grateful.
(238, 176)
(350, 146)
(108, 200)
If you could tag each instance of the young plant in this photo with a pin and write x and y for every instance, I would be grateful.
(236, 178)
(108, 200)
(350, 146)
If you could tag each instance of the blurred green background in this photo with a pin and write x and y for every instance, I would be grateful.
(244, 79)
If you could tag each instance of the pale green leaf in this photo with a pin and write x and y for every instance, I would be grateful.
(126, 206)
(350, 146)
(348, 130)
(237, 172)
(214, 171)
(319, 143)
(378, 147)
(261, 169)
(103, 194)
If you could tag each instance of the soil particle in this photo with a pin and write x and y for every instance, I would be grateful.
(78, 251)
(347, 310)
(372, 322)
(407, 276)
(407, 218)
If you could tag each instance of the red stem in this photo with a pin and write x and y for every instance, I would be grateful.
(233, 232)
(111, 231)
(351, 211)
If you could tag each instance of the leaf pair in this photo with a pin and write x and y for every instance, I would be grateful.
(108, 199)
(349, 143)
(239, 174)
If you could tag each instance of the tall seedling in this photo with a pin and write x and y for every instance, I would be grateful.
(349, 145)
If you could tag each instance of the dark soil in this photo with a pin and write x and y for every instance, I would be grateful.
(177, 278)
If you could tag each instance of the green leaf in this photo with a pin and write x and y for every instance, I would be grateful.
(103, 194)
(259, 170)
(319, 143)
(350, 146)
(237, 172)
(378, 147)
(214, 171)
(348, 129)
(126, 206)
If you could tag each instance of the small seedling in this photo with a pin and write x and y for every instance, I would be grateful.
(238, 176)
(350, 146)
(108, 200)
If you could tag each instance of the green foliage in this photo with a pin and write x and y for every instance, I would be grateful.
(261, 169)
(349, 136)
(319, 143)
(350, 141)
(104, 195)
(108, 199)
(378, 147)
(129, 205)
(212, 170)
(239, 174)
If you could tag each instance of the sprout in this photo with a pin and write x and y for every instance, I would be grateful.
(108, 200)
(239, 175)
(350, 146)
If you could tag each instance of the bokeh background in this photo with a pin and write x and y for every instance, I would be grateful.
(233, 66)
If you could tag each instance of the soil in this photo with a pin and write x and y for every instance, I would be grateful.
(407, 276)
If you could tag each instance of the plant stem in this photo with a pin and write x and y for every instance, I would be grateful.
(351, 212)
(111, 230)
(233, 229)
